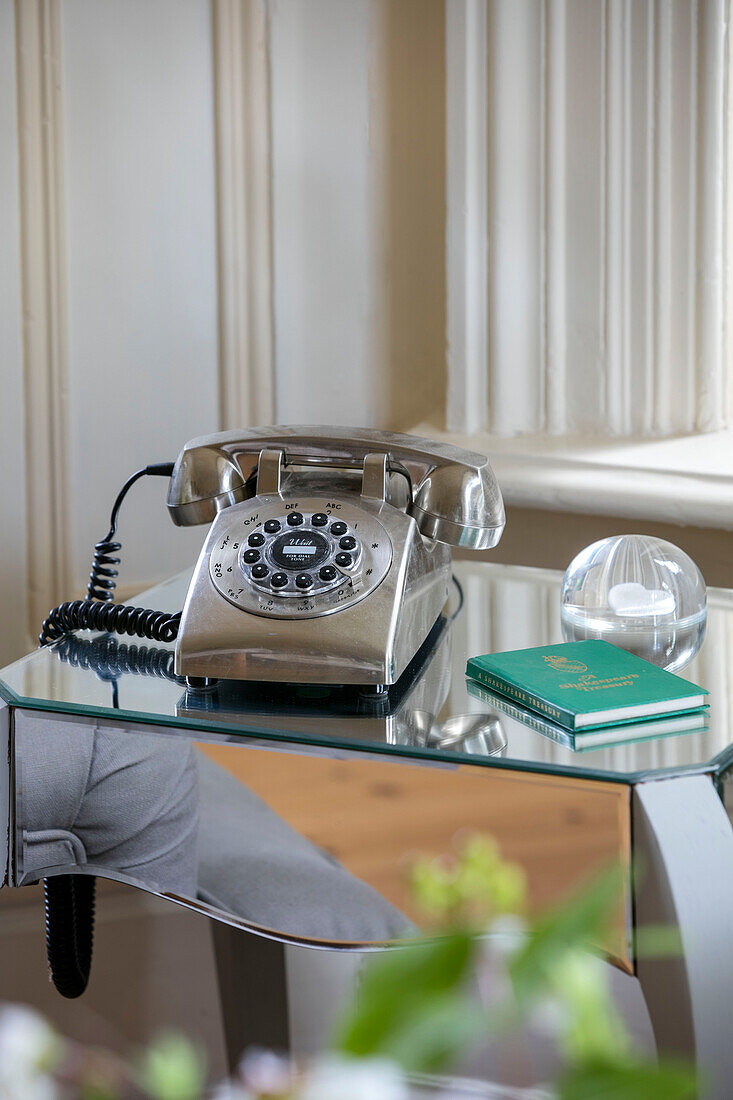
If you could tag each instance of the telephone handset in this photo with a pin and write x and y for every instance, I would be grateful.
(455, 498)
(327, 560)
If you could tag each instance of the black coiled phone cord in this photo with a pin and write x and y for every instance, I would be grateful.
(97, 611)
(111, 659)
(69, 899)
(69, 902)
(111, 618)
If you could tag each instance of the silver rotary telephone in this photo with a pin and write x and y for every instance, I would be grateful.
(328, 557)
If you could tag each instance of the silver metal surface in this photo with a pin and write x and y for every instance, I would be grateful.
(404, 717)
(456, 497)
(473, 732)
(683, 852)
(368, 641)
(269, 472)
(374, 477)
(205, 480)
(445, 530)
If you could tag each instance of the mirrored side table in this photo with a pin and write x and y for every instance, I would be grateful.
(289, 814)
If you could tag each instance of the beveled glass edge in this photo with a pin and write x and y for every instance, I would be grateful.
(197, 905)
(723, 762)
(421, 756)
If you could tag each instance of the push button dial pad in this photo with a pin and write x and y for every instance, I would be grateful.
(298, 559)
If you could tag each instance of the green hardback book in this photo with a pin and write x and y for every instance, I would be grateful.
(585, 685)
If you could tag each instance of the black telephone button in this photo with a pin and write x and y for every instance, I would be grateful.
(279, 580)
(295, 519)
(251, 556)
(348, 542)
(272, 525)
(338, 528)
(304, 580)
(320, 519)
(328, 573)
(259, 572)
(344, 560)
(256, 539)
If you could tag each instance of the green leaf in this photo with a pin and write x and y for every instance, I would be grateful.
(172, 1069)
(434, 1033)
(577, 922)
(594, 1030)
(638, 1081)
(398, 986)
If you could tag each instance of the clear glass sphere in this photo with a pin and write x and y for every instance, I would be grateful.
(639, 592)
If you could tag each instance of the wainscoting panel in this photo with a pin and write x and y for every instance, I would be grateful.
(14, 637)
(244, 228)
(43, 287)
(605, 217)
(141, 267)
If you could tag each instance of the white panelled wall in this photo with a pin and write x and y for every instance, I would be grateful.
(117, 249)
(602, 230)
(14, 635)
(503, 219)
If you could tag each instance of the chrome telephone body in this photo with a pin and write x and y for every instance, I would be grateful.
(335, 576)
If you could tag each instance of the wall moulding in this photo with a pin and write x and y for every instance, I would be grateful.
(244, 211)
(604, 217)
(467, 210)
(44, 301)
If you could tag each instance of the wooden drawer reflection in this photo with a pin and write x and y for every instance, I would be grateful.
(373, 816)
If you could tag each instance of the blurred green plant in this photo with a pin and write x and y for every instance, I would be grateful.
(415, 1005)
(172, 1068)
(419, 1007)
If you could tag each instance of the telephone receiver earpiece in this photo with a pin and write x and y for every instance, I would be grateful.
(454, 497)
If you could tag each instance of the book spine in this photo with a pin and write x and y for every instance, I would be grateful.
(522, 696)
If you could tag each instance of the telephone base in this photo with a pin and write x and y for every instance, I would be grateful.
(401, 714)
(237, 633)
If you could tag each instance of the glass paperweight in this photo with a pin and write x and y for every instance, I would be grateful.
(639, 592)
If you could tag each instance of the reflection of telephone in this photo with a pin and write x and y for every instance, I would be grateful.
(326, 561)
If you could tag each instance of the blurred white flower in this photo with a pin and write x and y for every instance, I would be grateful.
(229, 1090)
(261, 1071)
(29, 1049)
(507, 933)
(335, 1078)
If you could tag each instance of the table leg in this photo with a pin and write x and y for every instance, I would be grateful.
(252, 990)
(5, 814)
(683, 852)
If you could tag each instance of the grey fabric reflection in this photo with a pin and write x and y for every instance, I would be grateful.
(256, 865)
(153, 810)
(109, 799)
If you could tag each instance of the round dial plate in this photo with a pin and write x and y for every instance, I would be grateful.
(298, 558)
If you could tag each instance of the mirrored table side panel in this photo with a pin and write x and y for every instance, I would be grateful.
(308, 849)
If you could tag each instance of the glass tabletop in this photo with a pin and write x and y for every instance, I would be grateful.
(433, 714)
